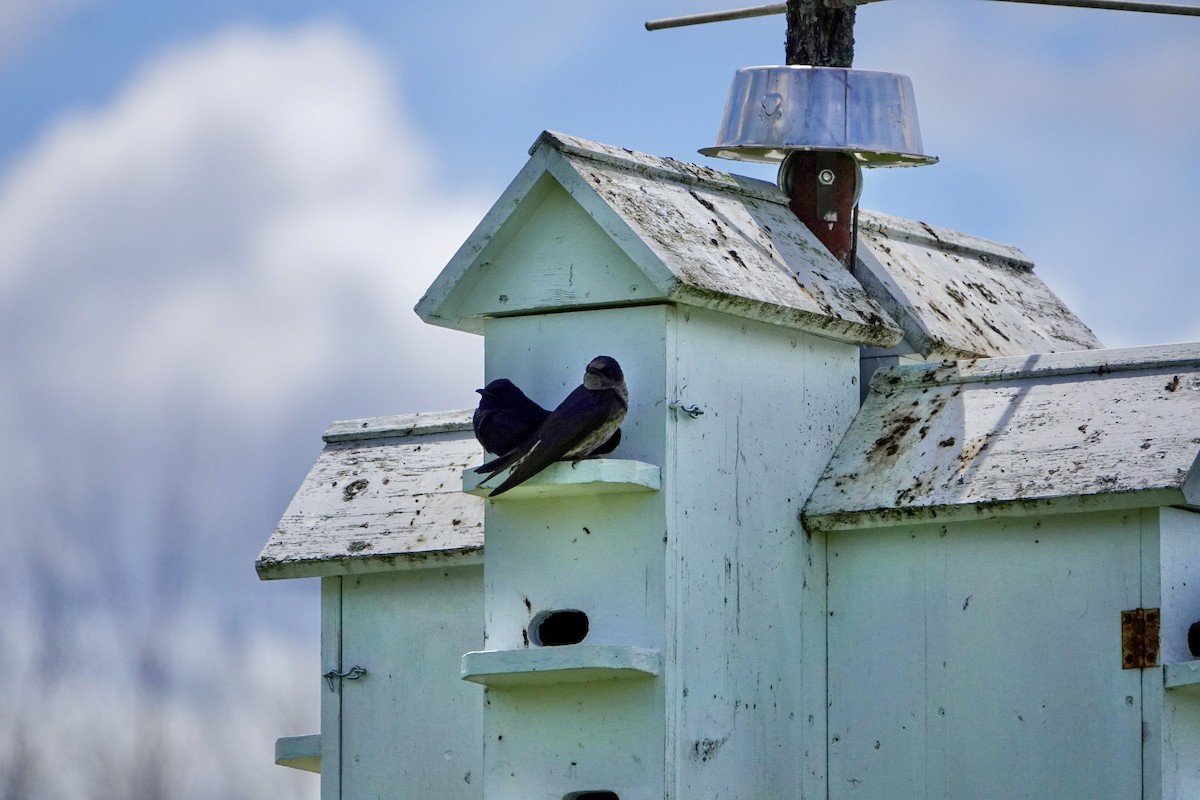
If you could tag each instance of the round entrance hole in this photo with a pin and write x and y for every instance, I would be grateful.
(557, 628)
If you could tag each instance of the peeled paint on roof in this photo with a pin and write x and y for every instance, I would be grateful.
(1114, 427)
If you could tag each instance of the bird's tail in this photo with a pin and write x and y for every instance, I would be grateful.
(498, 464)
(509, 483)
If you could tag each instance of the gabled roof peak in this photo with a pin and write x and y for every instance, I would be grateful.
(590, 225)
(586, 225)
(663, 167)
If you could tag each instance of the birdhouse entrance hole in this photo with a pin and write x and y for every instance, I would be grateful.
(591, 796)
(557, 628)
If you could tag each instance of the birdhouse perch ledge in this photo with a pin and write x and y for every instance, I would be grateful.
(590, 476)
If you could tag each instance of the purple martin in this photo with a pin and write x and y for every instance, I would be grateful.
(506, 417)
(582, 425)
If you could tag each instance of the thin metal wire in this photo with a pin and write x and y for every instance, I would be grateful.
(780, 8)
(1117, 5)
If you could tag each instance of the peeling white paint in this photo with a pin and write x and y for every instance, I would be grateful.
(1091, 429)
(675, 232)
(959, 296)
(384, 494)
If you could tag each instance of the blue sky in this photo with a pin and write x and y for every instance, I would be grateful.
(215, 219)
(1057, 127)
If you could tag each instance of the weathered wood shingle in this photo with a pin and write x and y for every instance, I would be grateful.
(1098, 429)
(385, 493)
(959, 296)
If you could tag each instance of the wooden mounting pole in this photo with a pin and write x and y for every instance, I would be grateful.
(820, 33)
(822, 192)
(823, 186)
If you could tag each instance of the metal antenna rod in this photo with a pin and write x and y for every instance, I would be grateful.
(780, 8)
(1117, 5)
(716, 16)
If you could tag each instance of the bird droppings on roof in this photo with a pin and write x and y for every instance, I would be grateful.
(1102, 427)
(959, 296)
(383, 494)
(683, 234)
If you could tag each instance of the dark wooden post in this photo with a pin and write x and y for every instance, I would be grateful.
(820, 35)
(823, 186)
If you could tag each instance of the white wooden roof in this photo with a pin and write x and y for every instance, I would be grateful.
(589, 225)
(1068, 431)
(385, 493)
(653, 229)
(959, 296)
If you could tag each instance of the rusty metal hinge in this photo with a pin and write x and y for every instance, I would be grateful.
(1139, 638)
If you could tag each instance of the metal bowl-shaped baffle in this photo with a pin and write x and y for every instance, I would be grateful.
(775, 110)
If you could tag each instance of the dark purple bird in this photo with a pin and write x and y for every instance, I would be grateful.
(505, 417)
(583, 425)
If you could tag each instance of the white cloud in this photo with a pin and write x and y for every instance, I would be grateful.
(250, 221)
(194, 278)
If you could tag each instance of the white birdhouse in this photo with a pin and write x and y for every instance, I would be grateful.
(1014, 567)
(678, 573)
(660, 623)
(398, 548)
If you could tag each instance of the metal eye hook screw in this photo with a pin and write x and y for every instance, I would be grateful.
(352, 674)
(692, 411)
